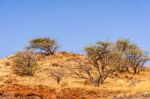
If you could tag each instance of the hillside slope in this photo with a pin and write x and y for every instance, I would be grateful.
(41, 85)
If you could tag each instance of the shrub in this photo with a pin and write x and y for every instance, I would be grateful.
(7, 63)
(46, 45)
(24, 63)
(57, 74)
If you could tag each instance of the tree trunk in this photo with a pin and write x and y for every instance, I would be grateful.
(135, 70)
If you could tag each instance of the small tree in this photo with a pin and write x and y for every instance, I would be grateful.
(122, 46)
(57, 74)
(132, 56)
(136, 58)
(46, 45)
(102, 61)
(24, 63)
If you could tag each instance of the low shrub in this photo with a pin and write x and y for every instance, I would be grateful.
(24, 63)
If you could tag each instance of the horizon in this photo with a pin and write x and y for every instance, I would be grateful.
(75, 24)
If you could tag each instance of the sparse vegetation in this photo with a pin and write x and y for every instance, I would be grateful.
(46, 45)
(24, 63)
(57, 74)
(104, 65)
(105, 57)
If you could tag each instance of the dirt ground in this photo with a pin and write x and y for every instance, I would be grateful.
(41, 92)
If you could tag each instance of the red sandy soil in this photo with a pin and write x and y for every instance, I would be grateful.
(42, 92)
(24, 92)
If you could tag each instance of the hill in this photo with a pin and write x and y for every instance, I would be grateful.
(43, 86)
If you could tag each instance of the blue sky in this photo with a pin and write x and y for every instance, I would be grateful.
(74, 23)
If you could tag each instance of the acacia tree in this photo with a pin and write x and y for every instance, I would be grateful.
(136, 58)
(133, 57)
(122, 46)
(46, 45)
(102, 61)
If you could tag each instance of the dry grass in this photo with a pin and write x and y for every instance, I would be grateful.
(125, 83)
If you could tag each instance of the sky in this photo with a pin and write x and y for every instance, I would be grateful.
(74, 23)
